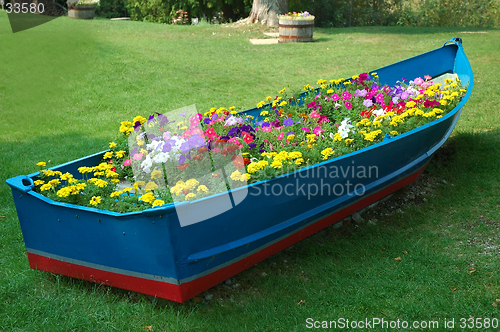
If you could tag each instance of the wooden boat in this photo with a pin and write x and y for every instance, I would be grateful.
(150, 252)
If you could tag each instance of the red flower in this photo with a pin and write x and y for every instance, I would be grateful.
(246, 161)
(113, 169)
(366, 114)
(183, 167)
(238, 162)
(247, 138)
(430, 103)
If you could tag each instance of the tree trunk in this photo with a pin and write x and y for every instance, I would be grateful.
(267, 11)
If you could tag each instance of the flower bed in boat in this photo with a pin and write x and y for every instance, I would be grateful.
(186, 155)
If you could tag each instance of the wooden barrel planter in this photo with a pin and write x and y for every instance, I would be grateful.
(294, 31)
(86, 12)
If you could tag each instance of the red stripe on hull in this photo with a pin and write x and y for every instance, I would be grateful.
(187, 290)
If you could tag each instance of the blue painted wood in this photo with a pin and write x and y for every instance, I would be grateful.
(153, 245)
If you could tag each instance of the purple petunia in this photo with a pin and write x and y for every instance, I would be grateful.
(182, 159)
(288, 122)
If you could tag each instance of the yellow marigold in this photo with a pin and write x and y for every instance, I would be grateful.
(327, 153)
(148, 198)
(54, 182)
(276, 164)
(269, 98)
(252, 167)
(139, 184)
(41, 164)
(95, 200)
(437, 110)
(410, 104)
(80, 186)
(66, 176)
(202, 189)
(235, 176)
(39, 182)
(377, 123)
(349, 141)
(337, 137)
(283, 103)
(260, 104)
(394, 133)
(140, 119)
(46, 187)
(282, 90)
(111, 174)
(308, 87)
(329, 91)
(101, 183)
(158, 202)
(151, 186)
(48, 172)
(290, 137)
(264, 113)
(156, 174)
(419, 112)
(323, 86)
(120, 154)
(190, 197)
(84, 169)
(116, 193)
(311, 138)
(191, 184)
(64, 192)
(321, 81)
(299, 161)
(99, 173)
(112, 145)
(262, 163)
(248, 176)
(295, 154)
(108, 155)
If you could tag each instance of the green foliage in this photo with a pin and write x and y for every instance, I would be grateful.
(479, 13)
(111, 8)
(163, 11)
(345, 13)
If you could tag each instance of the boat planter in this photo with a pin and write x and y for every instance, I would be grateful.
(82, 12)
(151, 252)
(294, 31)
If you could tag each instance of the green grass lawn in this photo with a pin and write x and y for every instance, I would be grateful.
(66, 85)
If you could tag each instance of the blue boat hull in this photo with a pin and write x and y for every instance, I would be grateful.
(150, 252)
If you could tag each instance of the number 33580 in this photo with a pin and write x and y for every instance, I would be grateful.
(25, 8)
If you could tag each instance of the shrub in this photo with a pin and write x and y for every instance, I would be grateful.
(111, 9)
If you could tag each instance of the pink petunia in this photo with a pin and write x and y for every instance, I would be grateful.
(127, 162)
(346, 95)
(334, 97)
(137, 156)
(306, 129)
(314, 115)
(318, 130)
(348, 105)
(280, 136)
